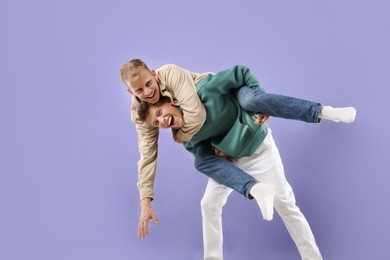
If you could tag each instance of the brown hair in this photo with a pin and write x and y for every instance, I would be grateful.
(143, 110)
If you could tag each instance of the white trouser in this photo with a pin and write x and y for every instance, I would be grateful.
(266, 166)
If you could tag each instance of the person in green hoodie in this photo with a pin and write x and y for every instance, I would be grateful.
(249, 146)
(180, 86)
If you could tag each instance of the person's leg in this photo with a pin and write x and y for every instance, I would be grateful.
(338, 114)
(212, 203)
(257, 101)
(222, 171)
(266, 166)
(226, 173)
(296, 224)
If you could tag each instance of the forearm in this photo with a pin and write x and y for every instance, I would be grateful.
(148, 147)
(146, 175)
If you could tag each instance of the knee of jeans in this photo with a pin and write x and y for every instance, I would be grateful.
(200, 162)
(245, 99)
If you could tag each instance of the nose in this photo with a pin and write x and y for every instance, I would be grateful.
(163, 121)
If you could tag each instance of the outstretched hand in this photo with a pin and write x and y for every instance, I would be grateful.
(260, 118)
(147, 214)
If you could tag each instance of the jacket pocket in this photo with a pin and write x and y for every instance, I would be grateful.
(236, 140)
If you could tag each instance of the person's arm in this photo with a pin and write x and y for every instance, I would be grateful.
(147, 146)
(175, 137)
(235, 78)
(184, 93)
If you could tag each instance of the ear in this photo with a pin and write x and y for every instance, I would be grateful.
(129, 90)
(154, 73)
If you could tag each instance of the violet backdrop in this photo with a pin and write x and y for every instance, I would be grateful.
(69, 150)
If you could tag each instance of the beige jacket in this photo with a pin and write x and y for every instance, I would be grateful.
(179, 85)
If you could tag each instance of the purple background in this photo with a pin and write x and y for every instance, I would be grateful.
(69, 150)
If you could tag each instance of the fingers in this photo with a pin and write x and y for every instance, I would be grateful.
(221, 154)
(215, 150)
(260, 118)
(218, 153)
(154, 218)
(143, 225)
(142, 228)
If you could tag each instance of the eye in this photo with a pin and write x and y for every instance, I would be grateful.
(139, 90)
(148, 83)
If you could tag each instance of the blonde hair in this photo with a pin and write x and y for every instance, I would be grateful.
(129, 71)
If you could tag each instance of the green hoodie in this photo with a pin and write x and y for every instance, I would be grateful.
(228, 127)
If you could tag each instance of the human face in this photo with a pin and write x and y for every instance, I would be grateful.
(146, 87)
(165, 115)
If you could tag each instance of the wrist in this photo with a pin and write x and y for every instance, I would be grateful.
(145, 203)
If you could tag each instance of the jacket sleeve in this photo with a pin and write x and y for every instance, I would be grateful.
(235, 78)
(148, 147)
(185, 95)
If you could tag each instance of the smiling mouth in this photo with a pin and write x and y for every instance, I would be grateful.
(151, 96)
(171, 121)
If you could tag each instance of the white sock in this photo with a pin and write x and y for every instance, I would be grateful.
(264, 194)
(342, 114)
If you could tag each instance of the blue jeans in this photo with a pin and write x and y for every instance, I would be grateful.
(255, 101)
(258, 101)
(222, 170)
